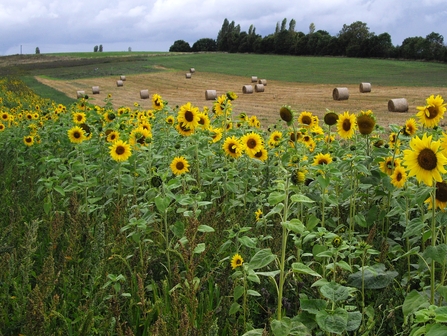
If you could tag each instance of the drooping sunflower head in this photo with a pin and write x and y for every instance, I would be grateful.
(298, 176)
(76, 135)
(157, 102)
(425, 160)
(430, 114)
(330, 118)
(305, 119)
(220, 104)
(170, 120)
(216, 134)
(120, 151)
(179, 165)
(286, 114)
(258, 214)
(231, 95)
(440, 196)
(236, 261)
(204, 121)
(322, 159)
(233, 147)
(346, 125)
(261, 155)
(366, 122)
(183, 129)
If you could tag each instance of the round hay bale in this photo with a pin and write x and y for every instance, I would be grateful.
(123, 78)
(247, 89)
(254, 79)
(263, 82)
(192, 70)
(188, 75)
(210, 94)
(340, 93)
(95, 89)
(259, 87)
(119, 83)
(398, 105)
(365, 87)
(144, 94)
(80, 94)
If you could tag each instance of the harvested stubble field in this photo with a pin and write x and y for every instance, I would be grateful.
(175, 88)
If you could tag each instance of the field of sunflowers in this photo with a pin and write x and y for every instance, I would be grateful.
(183, 220)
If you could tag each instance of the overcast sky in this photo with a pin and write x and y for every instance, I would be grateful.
(153, 25)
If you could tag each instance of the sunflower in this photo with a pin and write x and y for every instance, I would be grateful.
(330, 118)
(440, 196)
(179, 165)
(183, 129)
(109, 116)
(2, 127)
(394, 140)
(139, 135)
(252, 143)
(170, 120)
(410, 127)
(120, 151)
(275, 138)
(243, 117)
(231, 95)
(399, 177)
(204, 120)
(233, 147)
(387, 165)
(189, 116)
(366, 122)
(28, 140)
(76, 134)
(261, 155)
(286, 114)
(305, 119)
(424, 160)
(236, 261)
(322, 159)
(219, 105)
(346, 125)
(5, 116)
(157, 102)
(298, 176)
(79, 117)
(216, 134)
(254, 122)
(258, 214)
(430, 114)
(112, 136)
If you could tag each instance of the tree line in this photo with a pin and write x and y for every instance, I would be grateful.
(354, 40)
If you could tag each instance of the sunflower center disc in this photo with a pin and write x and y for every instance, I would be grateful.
(427, 159)
(120, 150)
(441, 191)
(179, 165)
(251, 143)
(189, 116)
(433, 112)
(346, 125)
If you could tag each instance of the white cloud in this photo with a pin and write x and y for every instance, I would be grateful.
(59, 24)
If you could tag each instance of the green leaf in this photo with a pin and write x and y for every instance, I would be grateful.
(354, 320)
(334, 322)
(313, 306)
(162, 203)
(374, 277)
(300, 199)
(247, 241)
(335, 292)
(436, 330)
(253, 292)
(254, 332)
(287, 326)
(234, 308)
(238, 292)
(304, 269)
(205, 228)
(414, 301)
(275, 197)
(294, 225)
(199, 248)
(312, 222)
(93, 200)
(437, 253)
(269, 274)
(261, 259)
(59, 190)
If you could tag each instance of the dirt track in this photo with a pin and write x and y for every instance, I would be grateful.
(175, 88)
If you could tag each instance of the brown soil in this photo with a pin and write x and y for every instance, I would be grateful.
(175, 88)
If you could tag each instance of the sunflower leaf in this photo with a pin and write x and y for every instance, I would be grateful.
(261, 259)
(275, 197)
(301, 199)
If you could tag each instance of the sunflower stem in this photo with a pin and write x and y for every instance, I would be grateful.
(433, 243)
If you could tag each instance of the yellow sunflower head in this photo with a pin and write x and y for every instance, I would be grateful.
(261, 155)
(179, 165)
(275, 139)
(28, 140)
(305, 119)
(440, 196)
(170, 120)
(189, 116)
(430, 114)
(252, 143)
(425, 160)
(157, 102)
(112, 136)
(322, 159)
(233, 147)
(120, 151)
(76, 135)
(346, 125)
(79, 117)
(216, 134)
(258, 214)
(399, 177)
(236, 261)
(2, 127)
(388, 165)
(410, 127)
